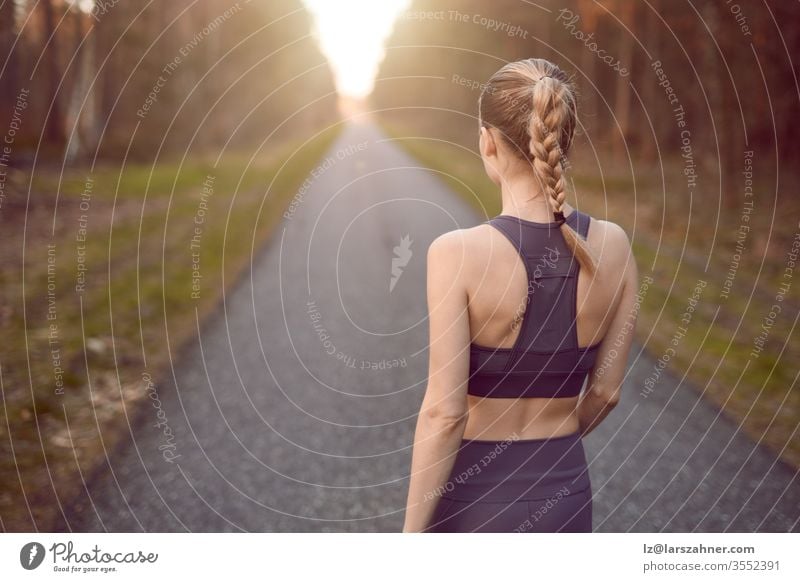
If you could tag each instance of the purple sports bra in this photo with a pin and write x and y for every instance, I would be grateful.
(545, 360)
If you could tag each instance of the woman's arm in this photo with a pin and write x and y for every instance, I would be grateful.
(605, 380)
(443, 415)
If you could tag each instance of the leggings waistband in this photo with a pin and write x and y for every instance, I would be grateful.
(521, 469)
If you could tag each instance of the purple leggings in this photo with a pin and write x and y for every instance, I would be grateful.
(528, 485)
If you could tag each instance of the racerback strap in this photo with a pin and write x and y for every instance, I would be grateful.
(548, 324)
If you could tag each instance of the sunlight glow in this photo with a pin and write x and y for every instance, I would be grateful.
(352, 33)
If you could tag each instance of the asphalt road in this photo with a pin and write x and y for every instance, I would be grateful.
(294, 408)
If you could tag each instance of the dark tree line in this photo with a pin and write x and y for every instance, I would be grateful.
(725, 61)
(127, 75)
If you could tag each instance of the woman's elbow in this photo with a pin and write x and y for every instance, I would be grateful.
(442, 417)
(607, 396)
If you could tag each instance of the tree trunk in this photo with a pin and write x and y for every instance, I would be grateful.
(650, 96)
(54, 128)
(588, 11)
(622, 107)
(8, 80)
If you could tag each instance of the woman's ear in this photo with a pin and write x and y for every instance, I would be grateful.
(488, 149)
(487, 145)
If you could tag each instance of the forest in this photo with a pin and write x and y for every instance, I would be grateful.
(648, 73)
(131, 134)
(133, 78)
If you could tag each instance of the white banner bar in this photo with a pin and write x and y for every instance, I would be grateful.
(353, 557)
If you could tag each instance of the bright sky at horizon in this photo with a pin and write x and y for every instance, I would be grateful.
(352, 34)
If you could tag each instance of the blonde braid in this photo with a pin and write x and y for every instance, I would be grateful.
(549, 113)
(544, 147)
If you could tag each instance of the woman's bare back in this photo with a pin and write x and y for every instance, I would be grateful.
(497, 295)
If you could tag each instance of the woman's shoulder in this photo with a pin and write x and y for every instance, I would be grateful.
(462, 250)
(463, 240)
(608, 234)
(611, 244)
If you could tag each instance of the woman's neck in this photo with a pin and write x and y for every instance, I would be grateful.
(522, 197)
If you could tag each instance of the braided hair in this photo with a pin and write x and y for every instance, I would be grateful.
(532, 104)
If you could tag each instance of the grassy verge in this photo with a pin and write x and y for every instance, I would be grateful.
(672, 238)
(118, 264)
